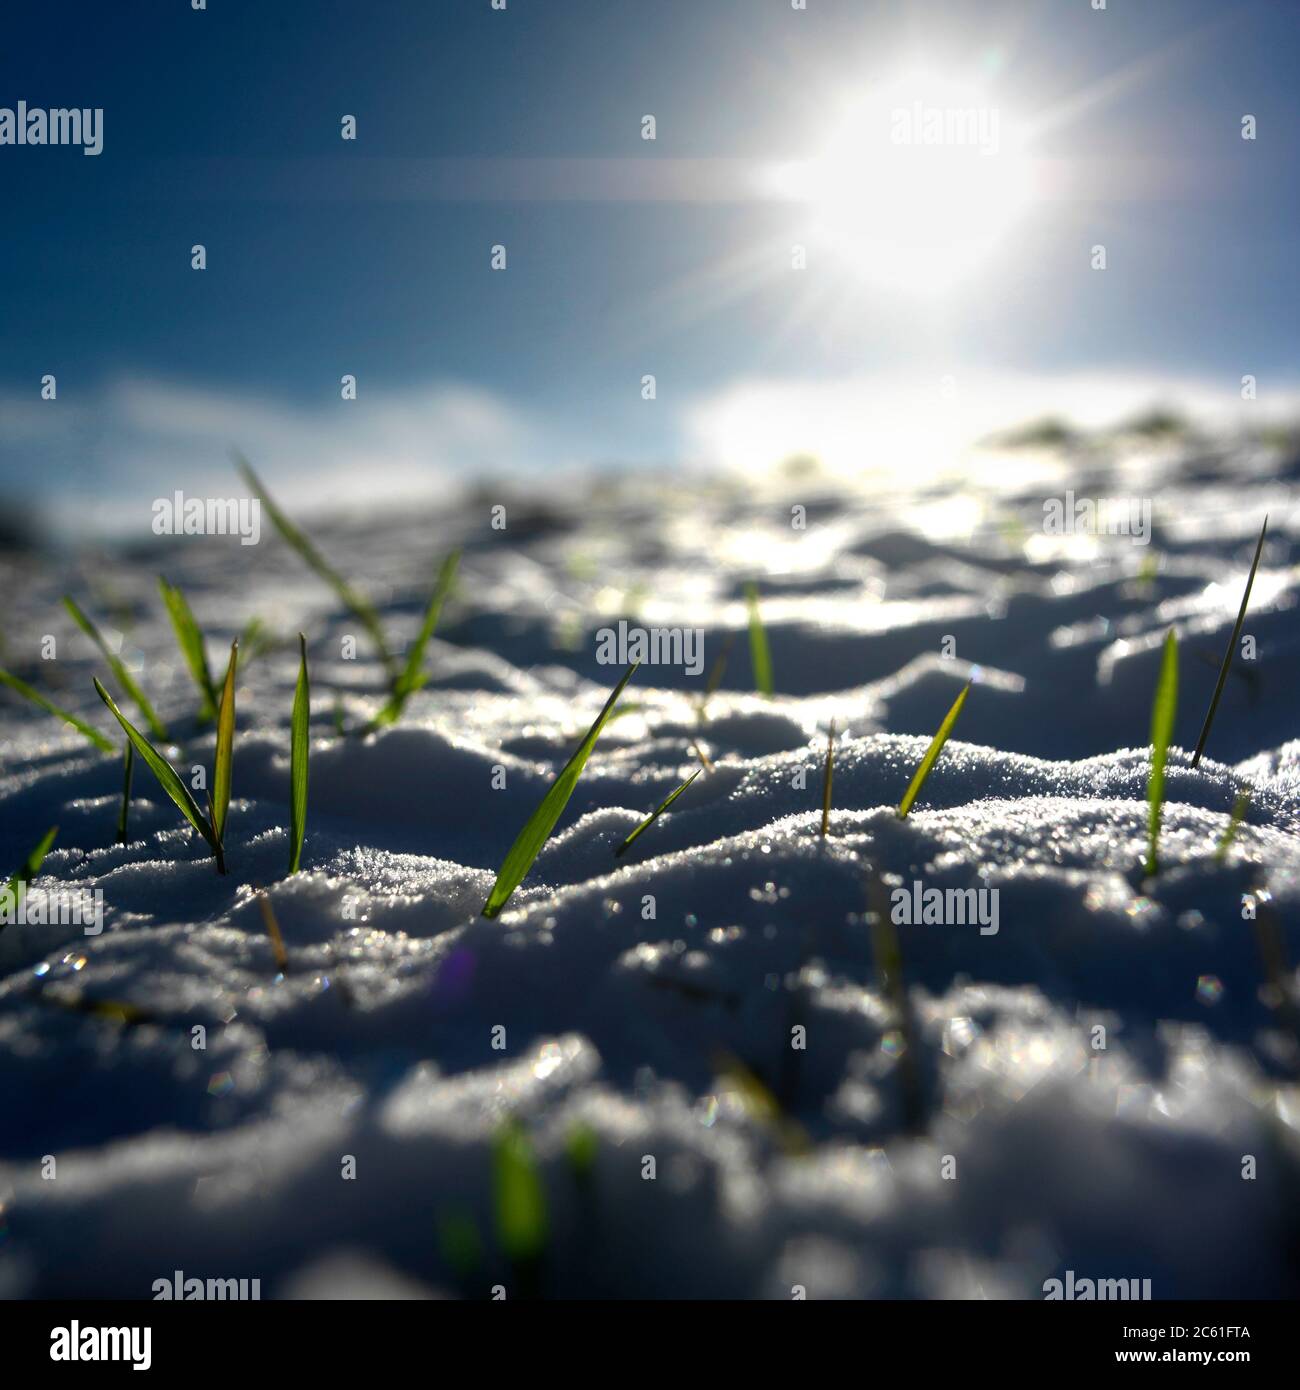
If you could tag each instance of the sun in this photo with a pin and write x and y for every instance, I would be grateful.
(919, 181)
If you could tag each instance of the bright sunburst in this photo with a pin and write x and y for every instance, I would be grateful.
(917, 183)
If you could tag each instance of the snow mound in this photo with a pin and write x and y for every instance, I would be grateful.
(1087, 1070)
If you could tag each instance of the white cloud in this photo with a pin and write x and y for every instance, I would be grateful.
(98, 463)
(95, 464)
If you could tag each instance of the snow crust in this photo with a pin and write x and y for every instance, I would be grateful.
(984, 1148)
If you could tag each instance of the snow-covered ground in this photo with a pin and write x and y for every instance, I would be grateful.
(1083, 1089)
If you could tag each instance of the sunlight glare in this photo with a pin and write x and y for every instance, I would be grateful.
(917, 184)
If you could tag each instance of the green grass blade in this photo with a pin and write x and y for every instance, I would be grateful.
(828, 778)
(167, 776)
(759, 655)
(355, 603)
(1162, 731)
(32, 864)
(17, 886)
(225, 749)
(1232, 645)
(272, 925)
(460, 1245)
(35, 696)
(581, 1146)
(1238, 815)
(719, 667)
(655, 814)
(128, 767)
(1278, 977)
(518, 1197)
(710, 689)
(115, 663)
(536, 832)
(413, 677)
(299, 749)
(888, 952)
(759, 1103)
(932, 753)
(189, 637)
(255, 640)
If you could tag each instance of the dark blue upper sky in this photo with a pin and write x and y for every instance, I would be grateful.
(478, 126)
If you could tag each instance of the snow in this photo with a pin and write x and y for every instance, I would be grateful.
(1034, 1152)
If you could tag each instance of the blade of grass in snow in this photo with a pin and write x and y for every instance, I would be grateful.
(32, 864)
(885, 944)
(716, 672)
(168, 778)
(115, 664)
(796, 1013)
(355, 603)
(299, 750)
(528, 844)
(758, 1102)
(35, 696)
(1279, 992)
(518, 1198)
(1232, 644)
(828, 777)
(655, 814)
(273, 931)
(580, 1148)
(759, 655)
(225, 749)
(128, 767)
(16, 888)
(932, 753)
(115, 1010)
(255, 639)
(710, 688)
(459, 1243)
(413, 675)
(1162, 730)
(888, 953)
(189, 637)
(1238, 815)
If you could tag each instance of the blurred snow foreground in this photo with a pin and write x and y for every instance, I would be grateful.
(693, 1070)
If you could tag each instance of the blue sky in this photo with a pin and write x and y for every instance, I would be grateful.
(626, 257)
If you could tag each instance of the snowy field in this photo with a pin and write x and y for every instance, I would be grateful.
(1106, 1084)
